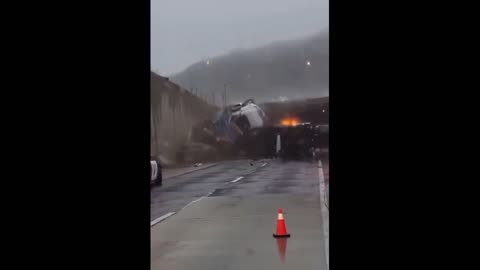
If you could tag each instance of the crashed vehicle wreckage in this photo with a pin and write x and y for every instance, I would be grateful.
(232, 127)
(244, 129)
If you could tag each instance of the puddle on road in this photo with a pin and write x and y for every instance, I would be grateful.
(282, 248)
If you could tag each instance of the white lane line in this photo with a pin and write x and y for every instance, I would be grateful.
(192, 202)
(256, 169)
(197, 200)
(325, 215)
(238, 179)
(154, 222)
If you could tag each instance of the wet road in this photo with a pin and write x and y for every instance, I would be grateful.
(223, 217)
(177, 192)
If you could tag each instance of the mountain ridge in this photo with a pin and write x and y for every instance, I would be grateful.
(290, 69)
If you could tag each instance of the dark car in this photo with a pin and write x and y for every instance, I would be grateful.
(155, 172)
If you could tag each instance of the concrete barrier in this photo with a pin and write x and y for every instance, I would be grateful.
(174, 111)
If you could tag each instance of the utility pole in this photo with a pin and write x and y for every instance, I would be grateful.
(225, 94)
(222, 101)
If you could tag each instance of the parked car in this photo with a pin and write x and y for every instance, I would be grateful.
(155, 172)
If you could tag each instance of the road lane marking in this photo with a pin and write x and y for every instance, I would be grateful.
(197, 200)
(154, 222)
(324, 210)
(192, 202)
(256, 169)
(238, 179)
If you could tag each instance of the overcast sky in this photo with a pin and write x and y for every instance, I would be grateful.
(186, 31)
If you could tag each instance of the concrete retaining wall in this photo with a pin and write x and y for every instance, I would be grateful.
(174, 111)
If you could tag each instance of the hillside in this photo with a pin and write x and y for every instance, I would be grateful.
(275, 71)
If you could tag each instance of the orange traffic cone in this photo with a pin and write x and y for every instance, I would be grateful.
(281, 228)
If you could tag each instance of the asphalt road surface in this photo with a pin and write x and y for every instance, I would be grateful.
(223, 217)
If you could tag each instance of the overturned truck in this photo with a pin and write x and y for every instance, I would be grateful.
(232, 128)
(243, 129)
(301, 141)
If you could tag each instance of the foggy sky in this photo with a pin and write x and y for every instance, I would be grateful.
(186, 31)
